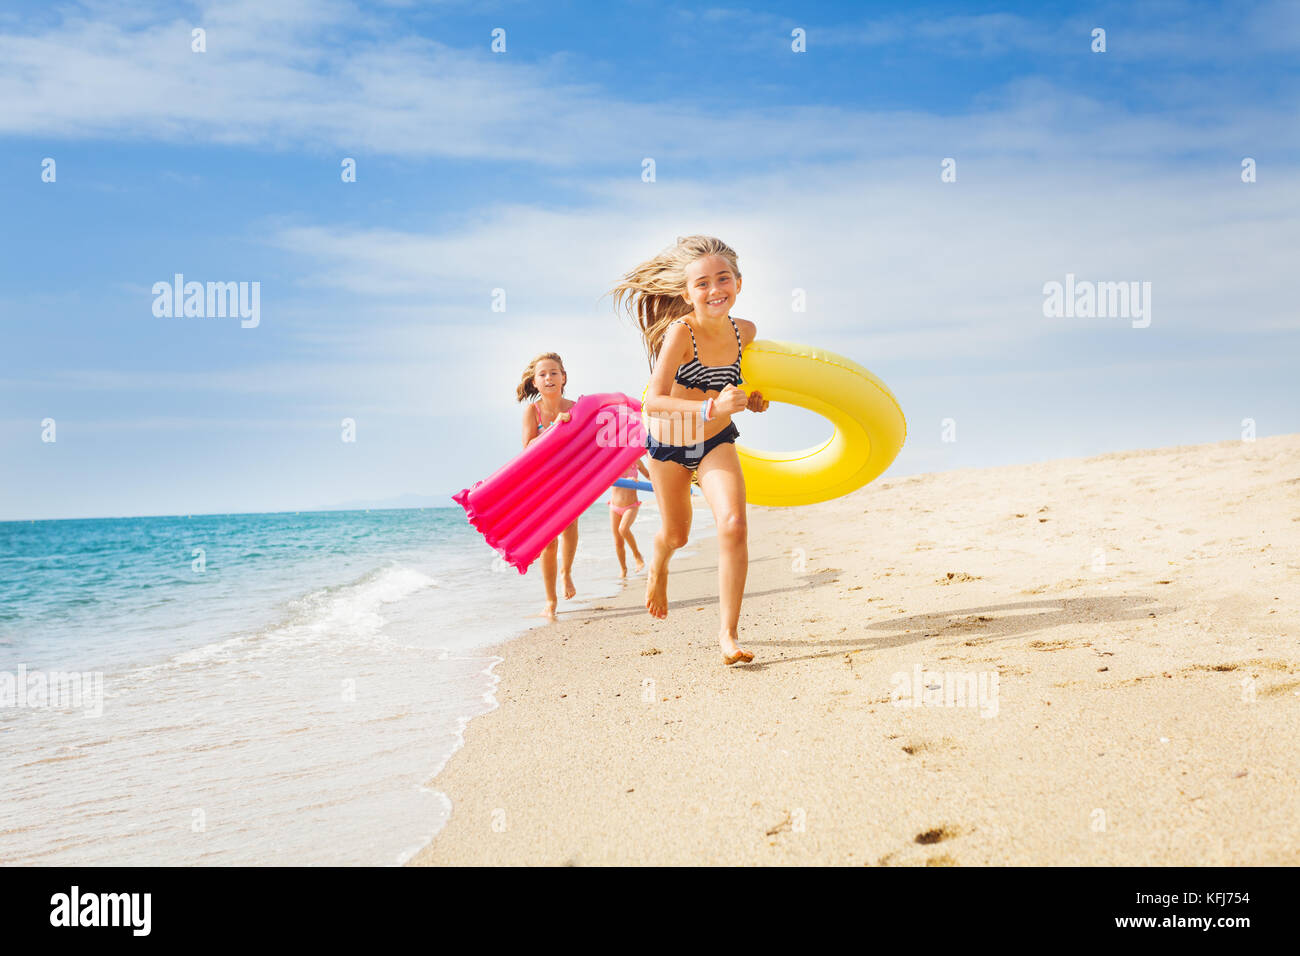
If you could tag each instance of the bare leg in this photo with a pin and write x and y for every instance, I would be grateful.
(548, 578)
(568, 548)
(625, 533)
(724, 488)
(672, 484)
(615, 521)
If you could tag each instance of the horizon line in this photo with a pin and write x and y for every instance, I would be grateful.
(885, 476)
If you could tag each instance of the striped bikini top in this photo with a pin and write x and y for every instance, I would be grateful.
(708, 378)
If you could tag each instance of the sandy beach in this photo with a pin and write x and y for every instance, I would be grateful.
(1130, 620)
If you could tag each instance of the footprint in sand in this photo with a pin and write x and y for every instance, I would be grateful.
(918, 745)
(1067, 585)
(936, 835)
(967, 622)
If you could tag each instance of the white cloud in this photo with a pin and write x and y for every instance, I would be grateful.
(879, 251)
(280, 76)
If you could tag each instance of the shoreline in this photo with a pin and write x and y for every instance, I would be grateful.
(1127, 613)
(495, 654)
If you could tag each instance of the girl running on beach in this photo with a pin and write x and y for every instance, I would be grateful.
(623, 505)
(681, 300)
(542, 385)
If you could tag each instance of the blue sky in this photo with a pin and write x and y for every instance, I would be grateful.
(522, 170)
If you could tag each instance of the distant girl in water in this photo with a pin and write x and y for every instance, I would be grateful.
(623, 506)
(681, 300)
(542, 385)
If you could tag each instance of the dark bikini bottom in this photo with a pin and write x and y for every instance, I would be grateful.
(689, 456)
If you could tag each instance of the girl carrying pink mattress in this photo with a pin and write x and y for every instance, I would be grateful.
(542, 384)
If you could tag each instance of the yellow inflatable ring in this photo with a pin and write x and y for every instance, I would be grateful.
(869, 425)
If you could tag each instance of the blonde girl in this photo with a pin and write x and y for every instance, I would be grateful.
(681, 301)
(542, 386)
(623, 506)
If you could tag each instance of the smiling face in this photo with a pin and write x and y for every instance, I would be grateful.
(711, 286)
(549, 378)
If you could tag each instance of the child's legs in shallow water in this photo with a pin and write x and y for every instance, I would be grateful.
(566, 546)
(548, 572)
(624, 532)
(724, 489)
(672, 484)
(615, 523)
(568, 549)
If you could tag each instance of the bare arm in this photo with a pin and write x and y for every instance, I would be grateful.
(755, 401)
(748, 332)
(532, 418)
(530, 424)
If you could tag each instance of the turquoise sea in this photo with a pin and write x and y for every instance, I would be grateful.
(273, 688)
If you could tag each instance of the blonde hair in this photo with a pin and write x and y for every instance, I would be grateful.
(653, 290)
(526, 388)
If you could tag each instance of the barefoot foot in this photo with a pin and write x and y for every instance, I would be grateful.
(548, 611)
(656, 592)
(732, 652)
(569, 589)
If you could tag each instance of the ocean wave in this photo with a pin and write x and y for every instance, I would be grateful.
(343, 614)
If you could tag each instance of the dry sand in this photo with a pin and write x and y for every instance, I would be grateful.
(1138, 609)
